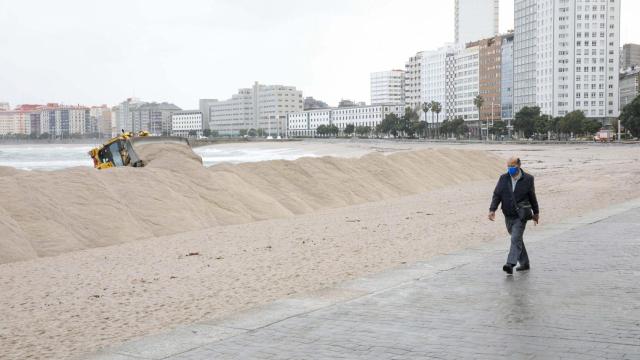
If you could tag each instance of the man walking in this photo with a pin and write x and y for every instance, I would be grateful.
(517, 193)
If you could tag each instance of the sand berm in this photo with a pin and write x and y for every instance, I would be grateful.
(50, 213)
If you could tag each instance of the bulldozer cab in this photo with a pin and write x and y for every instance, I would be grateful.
(117, 152)
(120, 153)
(120, 150)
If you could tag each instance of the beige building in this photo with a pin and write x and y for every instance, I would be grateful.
(630, 56)
(387, 87)
(52, 119)
(15, 122)
(102, 117)
(489, 77)
(259, 107)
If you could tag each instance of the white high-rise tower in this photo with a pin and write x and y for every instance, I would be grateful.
(566, 56)
(476, 20)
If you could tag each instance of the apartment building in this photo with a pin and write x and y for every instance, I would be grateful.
(153, 117)
(566, 56)
(305, 123)
(52, 119)
(630, 56)
(506, 78)
(413, 81)
(259, 107)
(135, 115)
(490, 77)
(629, 86)
(368, 115)
(524, 54)
(15, 122)
(387, 87)
(60, 120)
(434, 76)
(466, 83)
(184, 123)
(230, 116)
(101, 116)
(450, 86)
(274, 103)
(122, 114)
(205, 109)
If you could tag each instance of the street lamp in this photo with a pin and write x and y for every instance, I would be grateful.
(492, 117)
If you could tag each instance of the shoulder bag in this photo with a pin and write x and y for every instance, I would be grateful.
(523, 208)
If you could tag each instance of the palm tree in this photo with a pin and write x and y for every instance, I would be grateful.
(425, 108)
(478, 102)
(436, 107)
(432, 106)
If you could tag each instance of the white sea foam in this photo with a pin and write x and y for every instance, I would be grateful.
(45, 157)
(56, 157)
(212, 155)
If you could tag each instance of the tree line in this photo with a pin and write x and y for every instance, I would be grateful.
(408, 125)
(529, 122)
(630, 117)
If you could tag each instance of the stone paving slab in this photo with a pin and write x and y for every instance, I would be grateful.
(280, 310)
(581, 300)
(176, 341)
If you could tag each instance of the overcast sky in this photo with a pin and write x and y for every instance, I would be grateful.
(95, 52)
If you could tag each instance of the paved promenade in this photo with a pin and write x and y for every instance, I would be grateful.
(581, 300)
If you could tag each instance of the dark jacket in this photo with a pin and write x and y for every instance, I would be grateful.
(525, 190)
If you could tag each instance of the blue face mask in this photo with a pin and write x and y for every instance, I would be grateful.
(513, 170)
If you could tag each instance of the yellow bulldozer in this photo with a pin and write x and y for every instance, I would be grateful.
(120, 150)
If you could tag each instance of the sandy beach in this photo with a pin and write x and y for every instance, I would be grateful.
(227, 241)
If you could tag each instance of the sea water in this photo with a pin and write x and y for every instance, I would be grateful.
(45, 157)
(61, 156)
(212, 155)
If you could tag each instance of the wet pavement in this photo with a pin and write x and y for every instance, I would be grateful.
(580, 300)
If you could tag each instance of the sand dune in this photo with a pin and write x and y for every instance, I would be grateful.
(49, 213)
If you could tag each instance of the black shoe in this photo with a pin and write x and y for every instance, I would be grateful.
(523, 267)
(508, 268)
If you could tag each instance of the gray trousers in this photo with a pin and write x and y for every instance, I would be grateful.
(517, 252)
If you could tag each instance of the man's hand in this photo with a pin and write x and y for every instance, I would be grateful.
(536, 218)
(492, 216)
